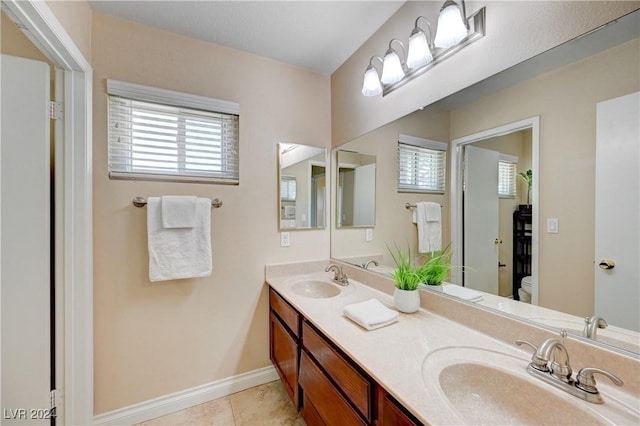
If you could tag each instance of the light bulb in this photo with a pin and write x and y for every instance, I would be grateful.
(419, 53)
(392, 71)
(451, 28)
(371, 83)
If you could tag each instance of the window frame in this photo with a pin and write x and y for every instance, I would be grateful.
(422, 144)
(513, 161)
(176, 101)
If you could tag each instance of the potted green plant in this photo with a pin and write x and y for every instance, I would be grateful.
(407, 279)
(436, 268)
(528, 178)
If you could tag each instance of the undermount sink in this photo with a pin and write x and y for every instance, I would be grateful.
(316, 289)
(483, 386)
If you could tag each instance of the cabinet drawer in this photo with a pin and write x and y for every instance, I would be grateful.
(286, 312)
(327, 401)
(357, 388)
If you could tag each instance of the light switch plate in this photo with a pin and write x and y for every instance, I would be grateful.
(552, 225)
(368, 234)
(284, 239)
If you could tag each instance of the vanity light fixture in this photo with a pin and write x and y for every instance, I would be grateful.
(392, 69)
(420, 46)
(371, 85)
(455, 31)
(452, 25)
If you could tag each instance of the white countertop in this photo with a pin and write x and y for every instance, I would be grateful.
(394, 356)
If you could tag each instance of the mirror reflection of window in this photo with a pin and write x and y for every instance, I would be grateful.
(421, 165)
(288, 188)
(507, 176)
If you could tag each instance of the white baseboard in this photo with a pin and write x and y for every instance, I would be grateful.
(188, 398)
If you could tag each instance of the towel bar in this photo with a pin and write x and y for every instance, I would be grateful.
(412, 206)
(142, 201)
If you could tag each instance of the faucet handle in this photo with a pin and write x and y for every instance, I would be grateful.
(586, 381)
(528, 343)
(537, 362)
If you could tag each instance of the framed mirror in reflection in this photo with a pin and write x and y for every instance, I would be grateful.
(302, 187)
(573, 91)
(355, 189)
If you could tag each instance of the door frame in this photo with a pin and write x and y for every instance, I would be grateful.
(73, 198)
(457, 171)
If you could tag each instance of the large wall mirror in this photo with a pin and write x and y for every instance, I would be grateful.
(567, 98)
(302, 187)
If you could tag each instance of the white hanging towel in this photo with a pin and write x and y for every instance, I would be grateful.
(429, 224)
(178, 211)
(177, 253)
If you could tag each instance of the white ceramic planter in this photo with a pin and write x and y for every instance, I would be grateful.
(407, 301)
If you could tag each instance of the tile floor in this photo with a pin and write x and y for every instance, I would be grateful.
(263, 405)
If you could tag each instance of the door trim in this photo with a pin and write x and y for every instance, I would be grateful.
(74, 245)
(456, 152)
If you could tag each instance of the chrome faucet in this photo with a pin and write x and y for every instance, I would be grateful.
(550, 362)
(339, 277)
(544, 359)
(375, 262)
(591, 326)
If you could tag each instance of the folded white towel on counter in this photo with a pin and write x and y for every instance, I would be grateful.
(177, 253)
(370, 314)
(462, 292)
(178, 211)
(429, 227)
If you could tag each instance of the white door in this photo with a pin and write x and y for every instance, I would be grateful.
(481, 219)
(25, 237)
(364, 195)
(617, 290)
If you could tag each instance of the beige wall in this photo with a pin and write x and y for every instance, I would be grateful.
(15, 43)
(516, 30)
(393, 221)
(152, 339)
(75, 17)
(566, 102)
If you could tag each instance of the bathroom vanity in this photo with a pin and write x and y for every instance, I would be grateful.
(422, 369)
(321, 380)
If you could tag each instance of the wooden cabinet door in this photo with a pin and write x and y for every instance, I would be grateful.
(283, 352)
(391, 413)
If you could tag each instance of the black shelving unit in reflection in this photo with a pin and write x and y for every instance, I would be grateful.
(522, 228)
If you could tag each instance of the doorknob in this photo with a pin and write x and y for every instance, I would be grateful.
(607, 264)
(497, 241)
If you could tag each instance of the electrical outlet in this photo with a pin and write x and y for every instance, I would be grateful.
(552, 225)
(284, 239)
(368, 234)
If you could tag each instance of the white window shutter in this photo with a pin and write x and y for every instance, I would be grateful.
(165, 138)
(507, 177)
(421, 165)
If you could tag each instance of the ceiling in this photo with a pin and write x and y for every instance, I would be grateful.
(317, 35)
